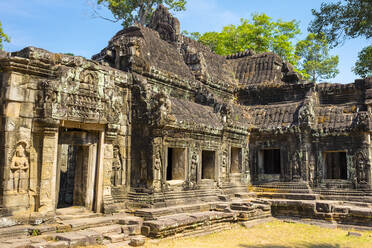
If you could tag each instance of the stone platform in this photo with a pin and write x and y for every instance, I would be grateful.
(338, 204)
(74, 227)
(71, 231)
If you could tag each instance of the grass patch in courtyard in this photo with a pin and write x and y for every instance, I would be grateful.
(272, 234)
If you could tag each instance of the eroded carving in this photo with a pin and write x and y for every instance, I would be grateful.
(362, 167)
(118, 172)
(19, 168)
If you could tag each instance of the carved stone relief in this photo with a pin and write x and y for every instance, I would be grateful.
(19, 168)
(194, 168)
(157, 160)
(224, 163)
(118, 171)
(362, 167)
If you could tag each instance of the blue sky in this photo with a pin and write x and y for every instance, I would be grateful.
(68, 26)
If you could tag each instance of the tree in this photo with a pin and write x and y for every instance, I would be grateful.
(3, 38)
(131, 11)
(315, 58)
(338, 21)
(262, 34)
(363, 66)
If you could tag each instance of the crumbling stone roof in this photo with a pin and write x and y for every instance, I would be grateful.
(162, 47)
(262, 68)
(192, 115)
(273, 116)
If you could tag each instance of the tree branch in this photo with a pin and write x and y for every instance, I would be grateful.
(97, 15)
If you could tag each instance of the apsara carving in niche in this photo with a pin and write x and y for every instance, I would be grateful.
(19, 168)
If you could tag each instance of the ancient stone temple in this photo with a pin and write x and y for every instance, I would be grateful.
(157, 120)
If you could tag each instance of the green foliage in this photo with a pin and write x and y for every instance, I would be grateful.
(130, 11)
(315, 58)
(36, 232)
(363, 66)
(3, 38)
(192, 35)
(338, 21)
(262, 34)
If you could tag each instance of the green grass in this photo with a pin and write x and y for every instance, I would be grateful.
(273, 234)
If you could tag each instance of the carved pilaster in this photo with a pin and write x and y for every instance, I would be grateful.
(48, 170)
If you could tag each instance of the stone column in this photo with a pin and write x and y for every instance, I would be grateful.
(15, 140)
(100, 173)
(92, 163)
(49, 170)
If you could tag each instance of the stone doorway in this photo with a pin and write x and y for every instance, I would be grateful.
(76, 168)
(236, 160)
(208, 164)
(335, 165)
(176, 166)
(271, 161)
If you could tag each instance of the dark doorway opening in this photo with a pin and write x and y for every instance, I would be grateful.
(236, 160)
(272, 161)
(208, 164)
(176, 164)
(73, 160)
(336, 166)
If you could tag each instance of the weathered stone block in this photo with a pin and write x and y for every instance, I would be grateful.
(107, 229)
(324, 207)
(73, 238)
(137, 241)
(15, 94)
(12, 109)
(115, 237)
(27, 110)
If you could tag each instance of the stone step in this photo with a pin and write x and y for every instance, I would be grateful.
(282, 190)
(362, 199)
(107, 229)
(116, 237)
(74, 216)
(71, 211)
(290, 196)
(79, 238)
(83, 223)
(245, 195)
(49, 244)
(153, 213)
(179, 223)
(14, 231)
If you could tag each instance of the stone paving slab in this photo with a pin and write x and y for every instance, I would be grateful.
(88, 222)
(116, 237)
(107, 229)
(73, 238)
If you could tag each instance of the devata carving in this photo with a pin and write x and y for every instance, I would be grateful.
(19, 168)
(194, 168)
(224, 163)
(118, 172)
(362, 167)
(157, 169)
(296, 161)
